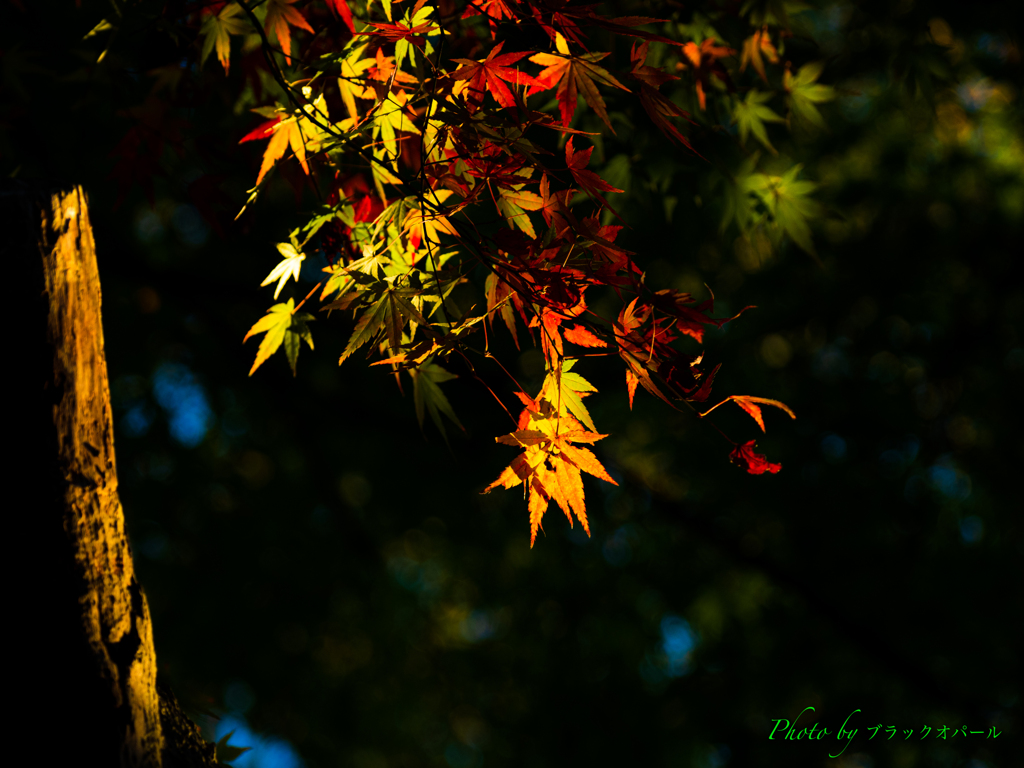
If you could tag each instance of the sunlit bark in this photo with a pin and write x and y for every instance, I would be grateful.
(98, 675)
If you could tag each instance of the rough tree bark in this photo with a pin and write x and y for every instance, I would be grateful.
(100, 699)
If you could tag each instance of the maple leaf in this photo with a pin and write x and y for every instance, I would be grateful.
(551, 463)
(514, 202)
(574, 74)
(350, 83)
(644, 345)
(580, 335)
(657, 106)
(690, 316)
(340, 8)
(754, 47)
(494, 10)
(285, 132)
(388, 308)
(805, 92)
(754, 463)
(560, 291)
(290, 266)
(217, 30)
(410, 34)
(751, 114)
(500, 295)
(367, 327)
(788, 201)
(391, 116)
(422, 226)
(565, 390)
(752, 406)
(427, 395)
(281, 17)
(590, 181)
(659, 109)
(282, 325)
(704, 60)
(632, 350)
(491, 74)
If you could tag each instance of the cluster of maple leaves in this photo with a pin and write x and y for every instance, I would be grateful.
(421, 121)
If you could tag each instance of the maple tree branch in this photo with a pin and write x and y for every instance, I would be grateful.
(315, 287)
(278, 76)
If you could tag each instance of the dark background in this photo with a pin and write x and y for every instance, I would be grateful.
(328, 580)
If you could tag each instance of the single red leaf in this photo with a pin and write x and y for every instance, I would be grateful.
(490, 74)
(754, 463)
(590, 181)
(262, 131)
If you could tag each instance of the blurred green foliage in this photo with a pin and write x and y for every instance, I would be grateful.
(320, 569)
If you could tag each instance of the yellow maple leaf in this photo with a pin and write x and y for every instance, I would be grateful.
(422, 227)
(351, 83)
(297, 132)
(289, 266)
(392, 115)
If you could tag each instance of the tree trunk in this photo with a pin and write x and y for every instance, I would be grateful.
(99, 676)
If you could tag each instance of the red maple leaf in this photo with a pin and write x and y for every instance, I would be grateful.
(754, 463)
(340, 8)
(590, 181)
(494, 10)
(491, 74)
(658, 107)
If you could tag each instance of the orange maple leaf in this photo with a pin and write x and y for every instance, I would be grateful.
(280, 18)
(574, 74)
(282, 134)
(550, 465)
(753, 47)
(752, 405)
(582, 336)
(704, 60)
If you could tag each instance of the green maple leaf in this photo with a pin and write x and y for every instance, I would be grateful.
(217, 30)
(566, 391)
(805, 92)
(428, 397)
(282, 325)
(739, 204)
(368, 325)
(788, 201)
(751, 114)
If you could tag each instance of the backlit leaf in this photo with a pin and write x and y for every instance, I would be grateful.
(428, 396)
(217, 30)
(282, 325)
